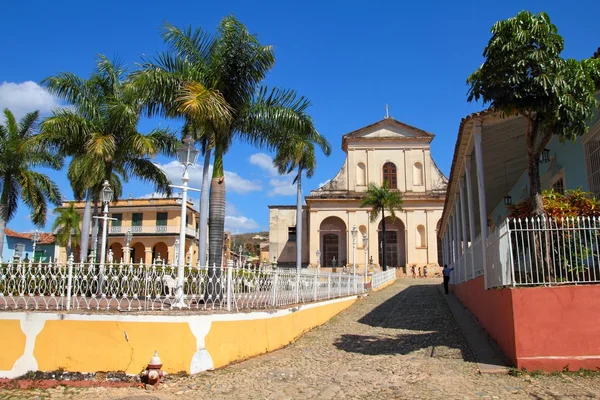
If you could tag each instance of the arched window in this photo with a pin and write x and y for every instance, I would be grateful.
(361, 174)
(421, 238)
(389, 175)
(418, 174)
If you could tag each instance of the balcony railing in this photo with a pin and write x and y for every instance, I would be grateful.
(156, 229)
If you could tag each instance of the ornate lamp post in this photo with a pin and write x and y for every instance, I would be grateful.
(128, 237)
(107, 197)
(187, 156)
(35, 238)
(354, 232)
(366, 246)
(318, 261)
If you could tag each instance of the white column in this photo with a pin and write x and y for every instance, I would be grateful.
(464, 227)
(458, 241)
(471, 210)
(481, 190)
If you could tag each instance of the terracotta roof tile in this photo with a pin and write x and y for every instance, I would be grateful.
(45, 238)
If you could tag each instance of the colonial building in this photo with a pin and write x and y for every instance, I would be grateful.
(154, 225)
(19, 246)
(386, 150)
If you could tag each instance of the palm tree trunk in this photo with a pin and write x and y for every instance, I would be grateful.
(69, 247)
(299, 221)
(85, 227)
(216, 216)
(384, 239)
(96, 225)
(2, 229)
(203, 224)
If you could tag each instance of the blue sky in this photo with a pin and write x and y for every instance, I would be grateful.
(349, 60)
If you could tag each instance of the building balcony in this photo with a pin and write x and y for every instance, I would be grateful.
(150, 230)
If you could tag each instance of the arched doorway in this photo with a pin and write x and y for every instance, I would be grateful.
(395, 242)
(138, 252)
(160, 249)
(332, 241)
(117, 250)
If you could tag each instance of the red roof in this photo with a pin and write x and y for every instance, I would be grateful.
(45, 238)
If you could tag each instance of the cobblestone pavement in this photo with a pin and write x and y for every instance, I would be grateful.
(401, 342)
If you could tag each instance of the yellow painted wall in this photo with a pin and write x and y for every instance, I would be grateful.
(14, 343)
(90, 346)
(230, 341)
(81, 344)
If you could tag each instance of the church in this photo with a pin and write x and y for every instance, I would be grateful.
(386, 150)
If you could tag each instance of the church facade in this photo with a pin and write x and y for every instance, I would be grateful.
(386, 150)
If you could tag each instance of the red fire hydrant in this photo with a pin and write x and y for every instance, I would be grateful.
(152, 374)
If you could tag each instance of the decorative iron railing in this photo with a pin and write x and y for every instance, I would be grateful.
(139, 287)
(544, 251)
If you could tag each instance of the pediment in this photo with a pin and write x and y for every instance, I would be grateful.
(389, 128)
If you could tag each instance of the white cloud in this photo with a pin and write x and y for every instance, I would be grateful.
(236, 222)
(21, 98)
(283, 186)
(264, 161)
(233, 181)
(324, 183)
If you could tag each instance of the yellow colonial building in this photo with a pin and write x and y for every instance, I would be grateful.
(154, 225)
(386, 150)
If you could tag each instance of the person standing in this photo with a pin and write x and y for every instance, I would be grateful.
(419, 272)
(414, 274)
(446, 271)
(425, 271)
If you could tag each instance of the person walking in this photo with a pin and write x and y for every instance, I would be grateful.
(414, 274)
(419, 272)
(425, 271)
(446, 271)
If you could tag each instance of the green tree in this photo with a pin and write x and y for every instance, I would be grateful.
(236, 64)
(66, 227)
(100, 134)
(20, 153)
(379, 199)
(524, 75)
(297, 152)
(173, 84)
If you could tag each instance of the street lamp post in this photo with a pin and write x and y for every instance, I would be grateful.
(366, 246)
(176, 255)
(187, 156)
(35, 238)
(318, 261)
(354, 232)
(128, 237)
(107, 196)
(241, 262)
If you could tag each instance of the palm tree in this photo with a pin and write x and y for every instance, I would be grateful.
(236, 64)
(173, 84)
(66, 227)
(298, 152)
(19, 154)
(100, 133)
(379, 199)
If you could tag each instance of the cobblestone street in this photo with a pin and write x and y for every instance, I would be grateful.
(401, 342)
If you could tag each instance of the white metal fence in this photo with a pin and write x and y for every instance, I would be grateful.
(544, 251)
(383, 277)
(136, 287)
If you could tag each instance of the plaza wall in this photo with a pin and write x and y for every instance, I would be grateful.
(539, 328)
(115, 342)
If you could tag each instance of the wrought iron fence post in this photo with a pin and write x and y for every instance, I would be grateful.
(275, 288)
(69, 280)
(329, 285)
(316, 284)
(298, 287)
(229, 288)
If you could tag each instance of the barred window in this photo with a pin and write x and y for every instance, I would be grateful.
(592, 158)
(292, 233)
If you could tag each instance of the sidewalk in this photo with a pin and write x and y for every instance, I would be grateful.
(488, 356)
